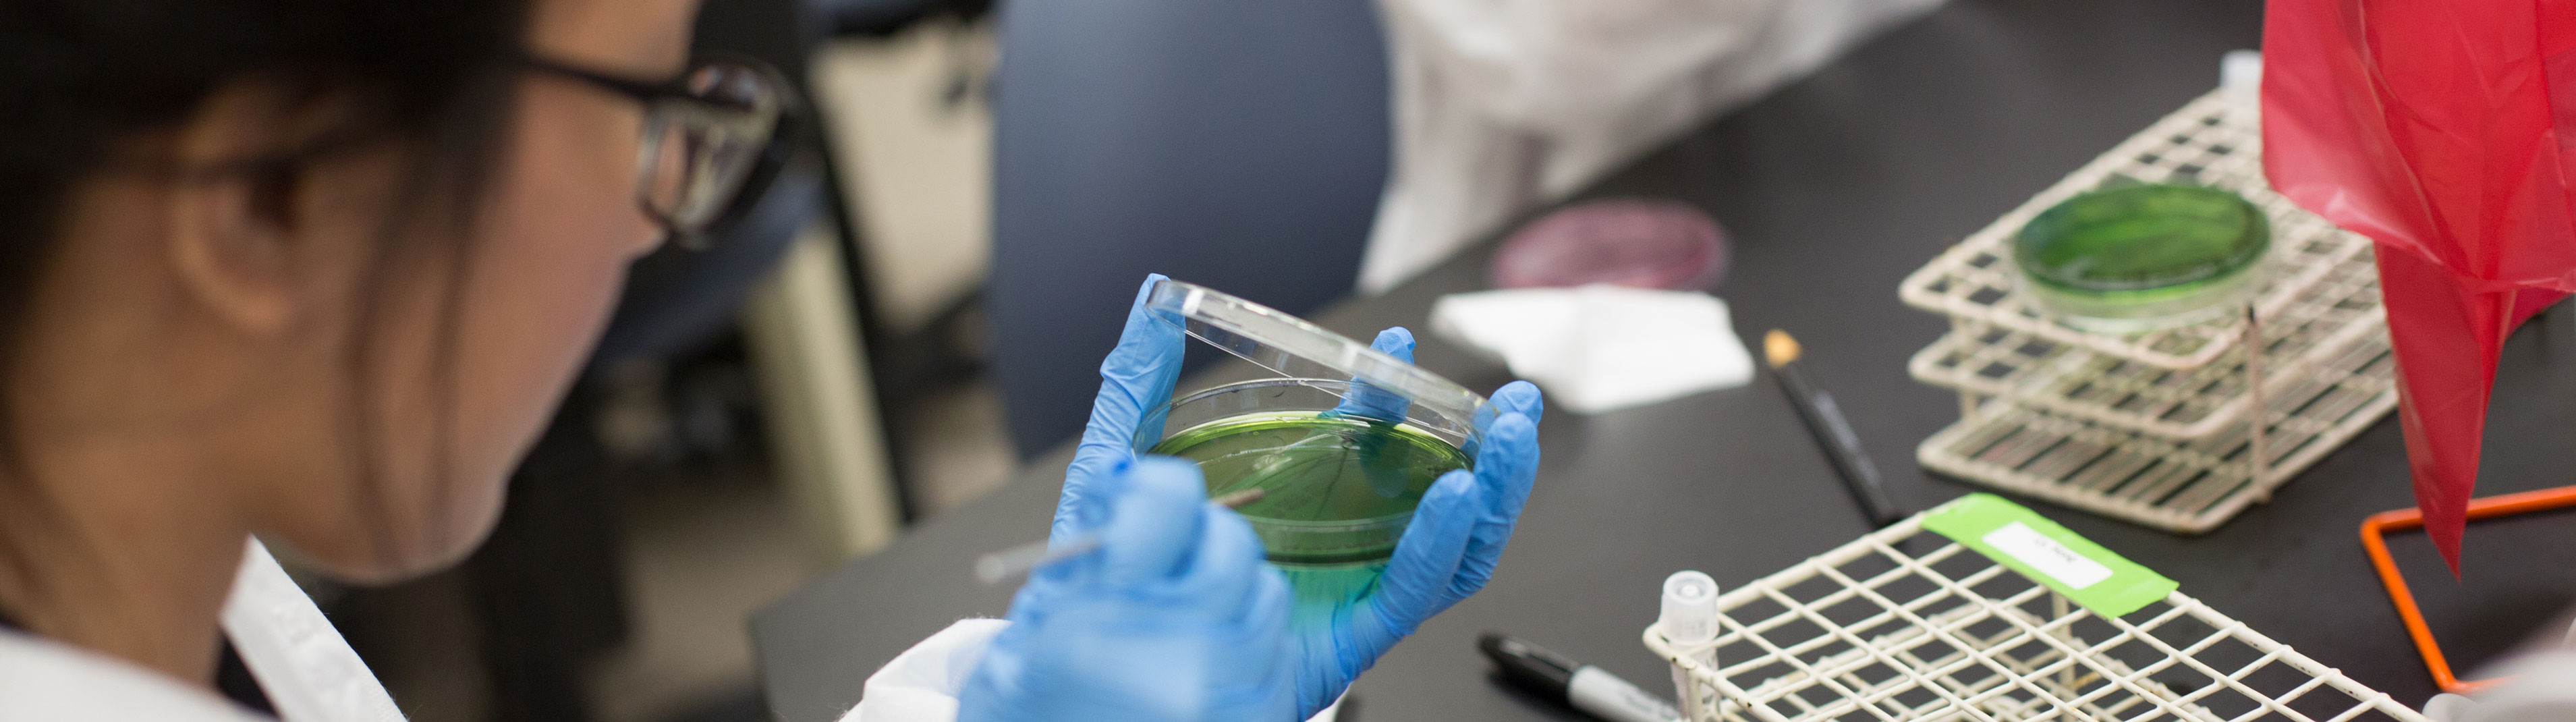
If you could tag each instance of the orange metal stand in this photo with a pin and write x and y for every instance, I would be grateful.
(2373, 533)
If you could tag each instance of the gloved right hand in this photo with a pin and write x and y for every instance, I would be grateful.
(1448, 551)
(1174, 618)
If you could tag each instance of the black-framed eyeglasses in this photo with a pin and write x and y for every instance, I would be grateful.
(704, 133)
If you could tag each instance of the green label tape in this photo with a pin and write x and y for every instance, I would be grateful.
(2040, 549)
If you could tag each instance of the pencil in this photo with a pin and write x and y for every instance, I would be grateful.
(1832, 433)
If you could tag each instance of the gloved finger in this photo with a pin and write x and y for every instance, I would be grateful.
(1506, 468)
(1083, 504)
(1507, 464)
(1266, 617)
(1520, 397)
(1263, 629)
(1259, 641)
(1225, 571)
(1154, 523)
(1417, 578)
(1371, 402)
(1386, 475)
(1395, 341)
(1135, 382)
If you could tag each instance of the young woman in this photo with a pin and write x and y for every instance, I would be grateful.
(317, 271)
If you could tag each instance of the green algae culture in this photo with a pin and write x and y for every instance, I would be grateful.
(2138, 257)
(1337, 489)
(1337, 493)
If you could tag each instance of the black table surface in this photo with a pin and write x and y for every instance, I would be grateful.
(1833, 189)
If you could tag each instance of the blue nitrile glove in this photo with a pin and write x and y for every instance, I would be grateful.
(1448, 551)
(1135, 380)
(1174, 618)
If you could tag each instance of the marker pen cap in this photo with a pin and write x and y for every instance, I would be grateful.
(1690, 608)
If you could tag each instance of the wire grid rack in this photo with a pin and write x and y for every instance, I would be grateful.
(2208, 143)
(1872, 633)
(2181, 485)
(2311, 327)
(2159, 427)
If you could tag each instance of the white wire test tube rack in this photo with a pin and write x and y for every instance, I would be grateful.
(2159, 427)
(1872, 633)
(2313, 326)
(2207, 142)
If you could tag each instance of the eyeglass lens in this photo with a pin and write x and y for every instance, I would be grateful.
(697, 154)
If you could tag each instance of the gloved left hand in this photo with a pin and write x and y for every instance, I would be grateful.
(1174, 619)
(1135, 380)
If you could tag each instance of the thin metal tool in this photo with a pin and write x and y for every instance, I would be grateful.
(1000, 566)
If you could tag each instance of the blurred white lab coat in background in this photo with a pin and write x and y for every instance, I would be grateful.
(1503, 105)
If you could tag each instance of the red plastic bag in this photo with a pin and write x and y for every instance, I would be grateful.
(2441, 129)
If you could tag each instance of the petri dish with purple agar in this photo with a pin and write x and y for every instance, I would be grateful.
(1634, 242)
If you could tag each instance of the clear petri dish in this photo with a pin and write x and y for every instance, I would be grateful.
(2135, 258)
(1344, 440)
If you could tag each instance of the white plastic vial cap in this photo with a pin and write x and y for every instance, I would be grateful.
(2240, 79)
(1690, 608)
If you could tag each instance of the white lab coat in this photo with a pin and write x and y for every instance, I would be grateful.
(308, 671)
(921, 684)
(1503, 105)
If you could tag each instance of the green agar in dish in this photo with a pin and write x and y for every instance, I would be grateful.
(1318, 591)
(2135, 257)
(1338, 491)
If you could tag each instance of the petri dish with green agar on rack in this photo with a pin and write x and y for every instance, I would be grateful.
(1343, 440)
(2138, 257)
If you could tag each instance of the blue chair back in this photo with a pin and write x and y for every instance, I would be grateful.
(1240, 145)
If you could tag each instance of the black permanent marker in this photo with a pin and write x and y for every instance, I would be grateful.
(1583, 686)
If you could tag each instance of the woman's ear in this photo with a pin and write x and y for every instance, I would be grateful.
(233, 229)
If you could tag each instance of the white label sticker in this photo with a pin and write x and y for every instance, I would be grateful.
(2030, 547)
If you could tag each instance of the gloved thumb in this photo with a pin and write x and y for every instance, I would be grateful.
(1417, 580)
(1153, 522)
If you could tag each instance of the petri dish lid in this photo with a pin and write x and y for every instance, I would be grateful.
(2142, 237)
(1294, 348)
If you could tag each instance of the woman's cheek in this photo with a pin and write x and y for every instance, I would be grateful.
(546, 277)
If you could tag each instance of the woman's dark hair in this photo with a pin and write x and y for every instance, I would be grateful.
(79, 76)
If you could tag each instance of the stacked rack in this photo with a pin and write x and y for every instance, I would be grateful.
(2159, 427)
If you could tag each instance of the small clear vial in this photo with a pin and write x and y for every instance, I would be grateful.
(1689, 617)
